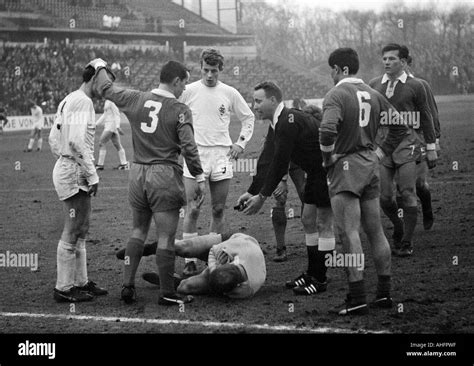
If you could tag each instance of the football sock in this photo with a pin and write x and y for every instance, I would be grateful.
(357, 292)
(325, 246)
(40, 143)
(391, 210)
(383, 286)
(424, 194)
(30, 144)
(410, 216)
(81, 263)
(66, 265)
(190, 236)
(133, 254)
(279, 221)
(312, 248)
(122, 158)
(102, 153)
(165, 262)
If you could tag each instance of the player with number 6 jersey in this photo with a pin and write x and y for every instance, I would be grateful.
(161, 129)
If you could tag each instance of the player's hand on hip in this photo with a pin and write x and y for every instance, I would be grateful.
(281, 189)
(199, 194)
(235, 151)
(222, 257)
(93, 189)
(431, 158)
(380, 154)
(253, 205)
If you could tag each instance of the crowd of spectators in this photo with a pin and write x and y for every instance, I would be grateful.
(47, 73)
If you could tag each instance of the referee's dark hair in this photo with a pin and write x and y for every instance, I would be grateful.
(271, 90)
(345, 57)
(171, 70)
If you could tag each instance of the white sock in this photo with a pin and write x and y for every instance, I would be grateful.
(325, 244)
(30, 144)
(311, 239)
(102, 153)
(40, 143)
(66, 266)
(81, 263)
(122, 157)
(189, 236)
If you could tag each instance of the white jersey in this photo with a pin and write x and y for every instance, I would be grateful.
(37, 115)
(211, 108)
(110, 117)
(72, 134)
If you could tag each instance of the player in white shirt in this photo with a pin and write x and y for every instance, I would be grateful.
(112, 131)
(211, 103)
(38, 124)
(75, 180)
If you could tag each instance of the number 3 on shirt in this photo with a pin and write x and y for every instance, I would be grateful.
(155, 109)
(364, 108)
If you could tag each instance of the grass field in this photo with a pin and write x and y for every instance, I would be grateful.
(432, 289)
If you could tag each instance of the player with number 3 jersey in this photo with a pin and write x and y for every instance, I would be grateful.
(161, 129)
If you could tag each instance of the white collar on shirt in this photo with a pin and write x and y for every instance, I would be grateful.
(163, 93)
(403, 78)
(350, 80)
(277, 113)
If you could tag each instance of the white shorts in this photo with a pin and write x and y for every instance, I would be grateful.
(68, 178)
(215, 163)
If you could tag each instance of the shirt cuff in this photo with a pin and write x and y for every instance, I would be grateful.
(327, 148)
(200, 178)
(430, 147)
(93, 179)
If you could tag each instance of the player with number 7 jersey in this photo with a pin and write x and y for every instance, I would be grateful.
(161, 129)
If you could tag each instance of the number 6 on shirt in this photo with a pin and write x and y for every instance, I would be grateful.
(155, 109)
(364, 108)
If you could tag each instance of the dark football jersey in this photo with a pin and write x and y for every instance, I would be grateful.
(161, 125)
(352, 111)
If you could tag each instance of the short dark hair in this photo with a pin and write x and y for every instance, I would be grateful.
(402, 50)
(171, 70)
(224, 278)
(409, 60)
(88, 74)
(345, 57)
(271, 90)
(212, 57)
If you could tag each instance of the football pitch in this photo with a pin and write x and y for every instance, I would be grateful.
(432, 289)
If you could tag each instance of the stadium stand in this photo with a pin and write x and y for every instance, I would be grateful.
(47, 73)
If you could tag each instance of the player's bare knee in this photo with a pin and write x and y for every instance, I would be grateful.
(408, 196)
(218, 210)
(184, 287)
(183, 248)
(192, 213)
(308, 221)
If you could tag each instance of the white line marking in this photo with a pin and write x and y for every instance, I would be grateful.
(431, 183)
(208, 324)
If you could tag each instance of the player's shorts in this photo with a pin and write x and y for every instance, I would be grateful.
(215, 163)
(357, 173)
(68, 178)
(156, 187)
(316, 189)
(110, 127)
(408, 151)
